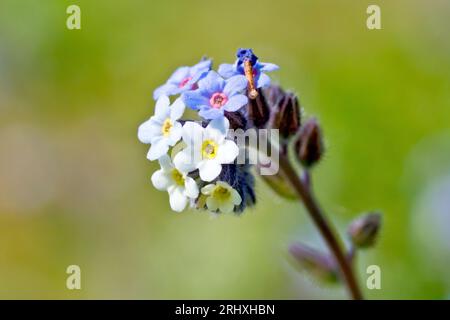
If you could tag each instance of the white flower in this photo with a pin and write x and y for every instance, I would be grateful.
(221, 196)
(162, 130)
(207, 149)
(176, 182)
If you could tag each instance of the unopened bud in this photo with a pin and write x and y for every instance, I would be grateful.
(286, 115)
(313, 261)
(258, 111)
(237, 120)
(273, 94)
(364, 230)
(280, 185)
(309, 145)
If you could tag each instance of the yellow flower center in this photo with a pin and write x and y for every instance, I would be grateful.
(167, 125)
(177, 177)
(221, 193)
(209, 149)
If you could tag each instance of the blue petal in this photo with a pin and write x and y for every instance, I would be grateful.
(179, 74)
(199, 68)
(220, 124)
(262, 81)
(227, 70)
(267, 67)
(194, 99)
(212, 82)
(166, 89)
(235, 103)
(235, 85)
(210, 113)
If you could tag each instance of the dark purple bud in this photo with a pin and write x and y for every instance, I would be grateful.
(286, 115)
(273, 94)
(237, 120)
(309, 145)
(315, 262)
(363, 231)
(258, 111)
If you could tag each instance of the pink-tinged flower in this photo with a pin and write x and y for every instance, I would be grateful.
(183, 79)
(216, 95)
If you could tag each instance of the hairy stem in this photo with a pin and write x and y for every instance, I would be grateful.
(305, 194)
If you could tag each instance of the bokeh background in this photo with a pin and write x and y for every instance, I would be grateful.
(75, 182)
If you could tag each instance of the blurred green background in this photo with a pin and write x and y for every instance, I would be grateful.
(75, 182)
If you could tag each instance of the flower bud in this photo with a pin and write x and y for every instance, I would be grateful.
(237, 120)
(273, 94)
(286, 115)
(244, 54)
(280, 185)
(364, 230)
(309, 145)
(258, 110)
(320, 265)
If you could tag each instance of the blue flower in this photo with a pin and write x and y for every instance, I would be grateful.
(183, 79)
(216, 95)
(262, 80)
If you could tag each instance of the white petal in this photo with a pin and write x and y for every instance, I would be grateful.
(208, 189)
(228, 151)
(223, 184)
(177, 199)
(165, 162)
(193, 134)
(184, 161)
(175, 133)
(158, 149)
(162, 106)
(209, 169)
(148, 131)
(212, 203)
(191, 188)
(235, 197)
(161, 180)
(177, 109)
(226, 206)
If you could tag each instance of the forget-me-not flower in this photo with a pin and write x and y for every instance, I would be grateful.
(176, 182)
(262, 80)
(216, 95)
(206, 148)
(162, 130)
(183, 79)
(221, 196)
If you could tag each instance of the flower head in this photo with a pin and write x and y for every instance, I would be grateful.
(221, 196)
(227, 70)
(176, 182)
(206, 148)
(215, 95)
(162, 130)
(183, 79)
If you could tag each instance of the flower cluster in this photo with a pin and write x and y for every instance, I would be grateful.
(198, 157)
